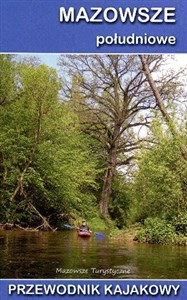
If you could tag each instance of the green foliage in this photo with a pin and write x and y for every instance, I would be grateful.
(180, 223)
(120, 202)
(6, 79)
(40, 137)
(160, 186)
(98, 222)
(156, 231)
(160, 189)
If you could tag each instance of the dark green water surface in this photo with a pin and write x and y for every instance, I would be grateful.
(65, 255)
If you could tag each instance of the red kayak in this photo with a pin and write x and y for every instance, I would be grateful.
(84, 233)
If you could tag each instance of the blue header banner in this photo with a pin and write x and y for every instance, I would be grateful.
(93, 26)
(96, 289)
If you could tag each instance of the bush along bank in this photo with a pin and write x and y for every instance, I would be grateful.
(159, 231)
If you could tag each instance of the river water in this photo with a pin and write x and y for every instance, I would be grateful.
(65, 255)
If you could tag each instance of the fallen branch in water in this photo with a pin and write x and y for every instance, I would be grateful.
(45, 225)
(26, 229)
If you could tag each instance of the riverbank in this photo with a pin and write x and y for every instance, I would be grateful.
(150, 233)
(154, 231)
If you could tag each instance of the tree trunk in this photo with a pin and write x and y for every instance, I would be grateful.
(157, 95)
(160, 103)
(109, 175)
(168, 120)
(107, 191)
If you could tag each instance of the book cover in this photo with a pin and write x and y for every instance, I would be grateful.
(93, 159)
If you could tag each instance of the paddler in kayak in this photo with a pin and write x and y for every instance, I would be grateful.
(84, 230)
(84, 227)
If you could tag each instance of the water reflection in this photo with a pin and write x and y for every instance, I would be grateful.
(64, 255)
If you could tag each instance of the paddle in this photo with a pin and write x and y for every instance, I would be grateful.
(100, 235)
(69, 226)
(74, 227)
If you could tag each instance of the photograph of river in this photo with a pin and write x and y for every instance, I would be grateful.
(93, 166)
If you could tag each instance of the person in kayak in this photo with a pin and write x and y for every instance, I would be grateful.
(84, 227)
